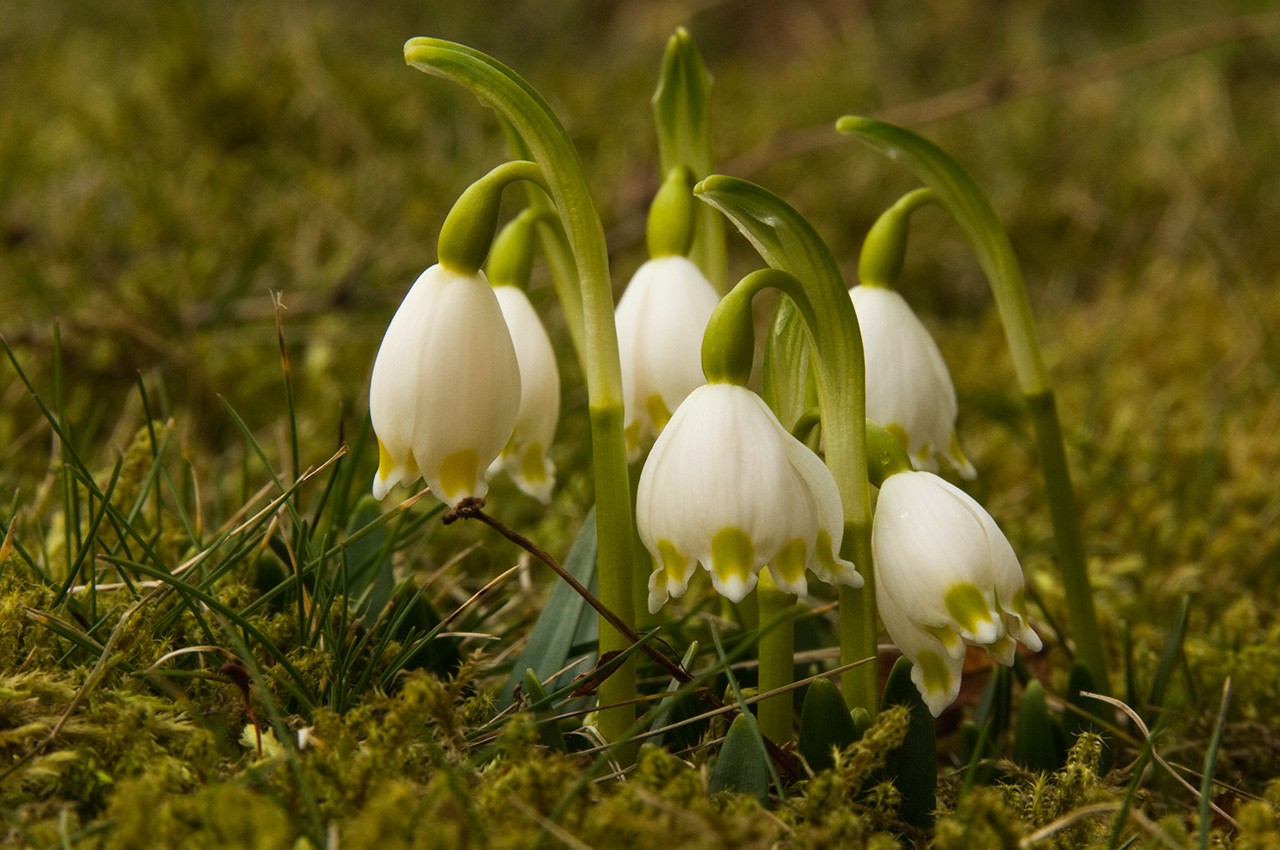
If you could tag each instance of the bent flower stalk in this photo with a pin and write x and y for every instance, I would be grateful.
(946, 577)
(445, 388)
(728, 487)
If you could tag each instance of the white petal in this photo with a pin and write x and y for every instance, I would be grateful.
(725, 466)
(539, 410)
(469, 390)
(661, 318)
(908, 384)
(926, 542)
(935, 670)
(821, 501)
(393, 387)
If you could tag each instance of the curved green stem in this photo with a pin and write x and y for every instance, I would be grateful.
(467, 232)
(558, 254)
(788, 243)
(971, 209)
(885, 247)
(533, 121)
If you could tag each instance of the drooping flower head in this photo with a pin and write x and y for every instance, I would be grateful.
(445, 388)
(909, 390)
(661, 318)
(728, 487)
(946, 577)
(524, 457)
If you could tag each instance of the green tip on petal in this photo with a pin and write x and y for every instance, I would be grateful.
(533, 468)
(933, 678)
(658, 411)
(968, 607)
(788, 566)
(732, 563)
(458, 474)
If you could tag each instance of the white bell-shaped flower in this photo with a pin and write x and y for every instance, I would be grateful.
(525, 456)
(909, 390)
(728, 487)
(946, 577)
(661, 318)
(445, 387)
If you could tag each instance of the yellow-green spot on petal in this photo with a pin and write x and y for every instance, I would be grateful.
(955, 452)
(945, 635)
(933, 672)
(658, 412)
(899, 433)
(458, 473)
(732, 554)
(385, 461)
(789, 562)
(673, 563)
(632, 435)
(532, 469)
(967, 606)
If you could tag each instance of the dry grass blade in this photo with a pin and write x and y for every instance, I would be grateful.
(1146, 734)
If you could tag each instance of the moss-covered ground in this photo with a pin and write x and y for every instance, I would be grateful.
(208, 213)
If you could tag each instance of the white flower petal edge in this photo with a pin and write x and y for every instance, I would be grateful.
(445, 387)
(661, 318)
(524, 457)
(908, 386)
(726, 486)
(946, 577)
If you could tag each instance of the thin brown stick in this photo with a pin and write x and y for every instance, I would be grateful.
(474, 509)
(1002, 87)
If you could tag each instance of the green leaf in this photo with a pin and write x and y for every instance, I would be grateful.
(742, 765)
(370, 579)
(1169, 655)
(682, 116)
(825, 725)
(914, 765)
(1037, 739)
(548, 726)
(1210, 762)
(567, 620)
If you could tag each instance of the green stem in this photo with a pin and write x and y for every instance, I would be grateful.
(971, 209)
(788, 243)
(533, 121)
(558, 254)
(776, 650)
